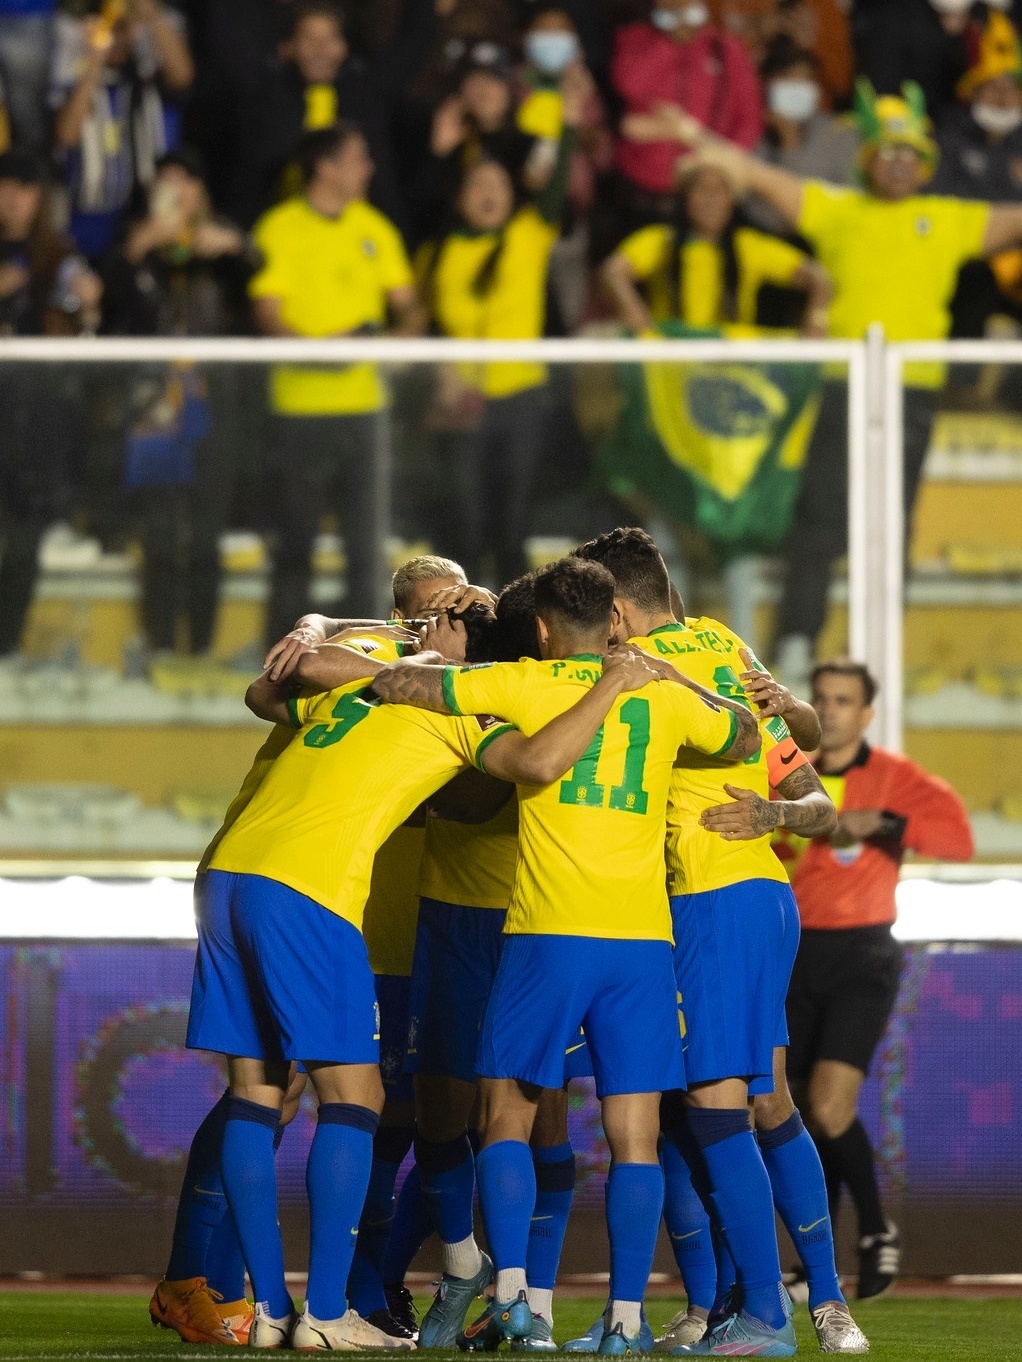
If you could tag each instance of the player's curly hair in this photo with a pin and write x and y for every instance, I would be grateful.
(514, 634)
(636, 564)
(578, 592)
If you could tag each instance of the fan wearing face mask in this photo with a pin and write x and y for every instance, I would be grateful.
(980, 142)
(551, 48)
(800, 136)
(678, 56)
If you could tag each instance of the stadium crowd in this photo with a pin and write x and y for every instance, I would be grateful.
(482, 169)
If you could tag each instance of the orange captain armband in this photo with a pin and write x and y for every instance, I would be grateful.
(784, 758)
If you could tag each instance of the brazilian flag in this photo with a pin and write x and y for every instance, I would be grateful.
(718, 447)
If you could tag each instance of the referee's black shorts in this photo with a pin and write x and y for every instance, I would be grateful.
(842, 992)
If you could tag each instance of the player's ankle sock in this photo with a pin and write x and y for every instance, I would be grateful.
(336, 1178)
(628, 1314)
(745, 1206)
(635, 1202)
(202, 1205)
(225, 1262)
(541, 1301)
(852, 1154)
(411, 1227)
(365, 1280)
(509, 1284)
(250, 1181)
(555, 1191)
(507, 1193)
(447, 1173)
(800, 1195)
(688, 1223)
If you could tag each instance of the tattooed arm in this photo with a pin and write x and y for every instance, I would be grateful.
(413, 682)
(804, 807)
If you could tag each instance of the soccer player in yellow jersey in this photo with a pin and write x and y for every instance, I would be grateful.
(282, 972)
(589, 934)
(736, 932)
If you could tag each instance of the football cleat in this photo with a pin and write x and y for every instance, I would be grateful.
(540, 1340)
(590, 1341)
(616, 1343)
(441, 1324)
(402, 1307)
(742, 1335)
(836, 1331)
(189, 1308)
(500, 1320)
(682, 1329)
(387, 1324)
(879, 1261)
(269, 1332)
(348, 1334)
(238, 1314)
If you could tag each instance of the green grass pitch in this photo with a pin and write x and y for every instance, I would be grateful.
(44, 1325)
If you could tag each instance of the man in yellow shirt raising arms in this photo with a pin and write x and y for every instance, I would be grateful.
(332, 267)
(588, 934)
(893, 254)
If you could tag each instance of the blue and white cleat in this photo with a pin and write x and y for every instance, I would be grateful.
(442, 1323)
(616, 1343)
(742, 1335)
(590, 1341)
(499, 1321)
(540, 1340)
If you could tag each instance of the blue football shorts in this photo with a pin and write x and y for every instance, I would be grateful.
(622, 993)
(278, 976)
(733, 960)
(457, 951)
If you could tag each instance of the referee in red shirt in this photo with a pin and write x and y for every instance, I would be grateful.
(845, 981)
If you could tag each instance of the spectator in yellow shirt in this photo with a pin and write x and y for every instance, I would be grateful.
(894, 255)
(332, 266)
(709, 268)
(486, 280)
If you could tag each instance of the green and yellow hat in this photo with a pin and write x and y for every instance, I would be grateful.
(893, 120)
(998, 55)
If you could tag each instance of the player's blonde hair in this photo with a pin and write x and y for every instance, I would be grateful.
(428, 567)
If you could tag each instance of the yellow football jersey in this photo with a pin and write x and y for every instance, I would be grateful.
(392, 908)
(471, 864)
(699, 860)
(353, 774)
(381, 648)
(591, 846)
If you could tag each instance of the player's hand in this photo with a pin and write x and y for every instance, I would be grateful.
(282, 658)
(392, 629)
(445, 636)
(749, 816)
(855, 826)
(459, 598)
(765, 692)
(628, 668)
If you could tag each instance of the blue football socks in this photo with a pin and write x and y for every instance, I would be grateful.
(800, 1195)
(250, 1181)
(202, 1205)
(555, 1191)
(447, 1175)
(688, 1224)
(635, 1203)
(744, 1203)
(507, 1193)
(336, 1179)
(365, 1280)
(411, 1227)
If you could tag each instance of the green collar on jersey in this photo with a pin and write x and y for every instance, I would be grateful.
(581, 657)
(666, 628)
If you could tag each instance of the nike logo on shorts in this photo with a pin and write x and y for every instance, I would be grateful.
(804, 1229)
